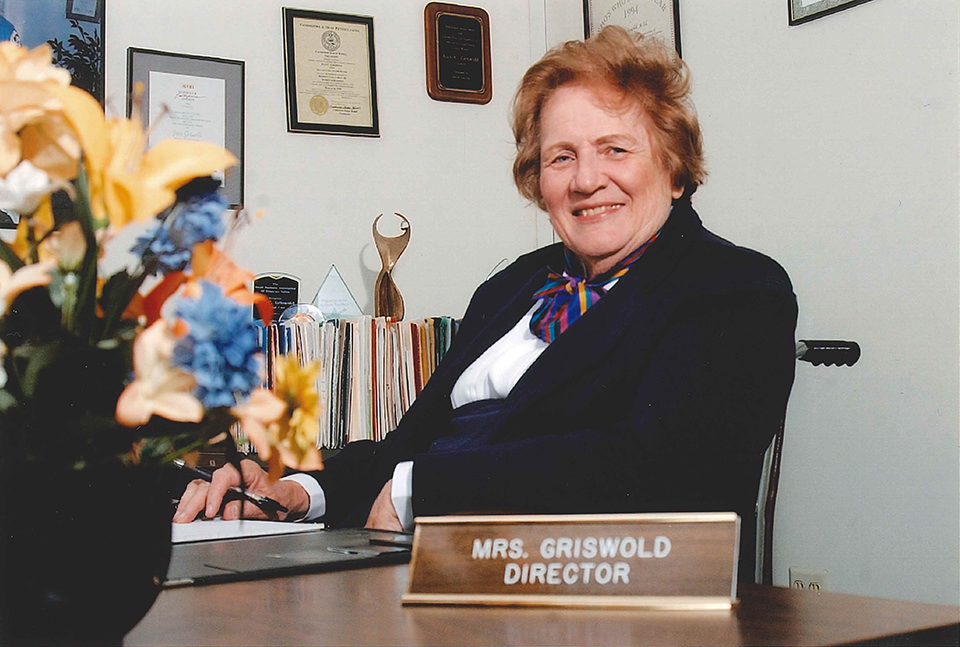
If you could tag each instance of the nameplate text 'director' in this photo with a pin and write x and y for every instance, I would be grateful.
(657, 561)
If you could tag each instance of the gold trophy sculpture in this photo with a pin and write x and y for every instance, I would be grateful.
(387, 301)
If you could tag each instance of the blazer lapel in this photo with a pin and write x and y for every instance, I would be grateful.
(626, 309)
(507, 310)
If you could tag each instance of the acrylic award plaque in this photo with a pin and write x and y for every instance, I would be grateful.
(334, 299)
(387, 301)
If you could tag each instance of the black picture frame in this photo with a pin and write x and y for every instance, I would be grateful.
(630, 13)
(342, 96)
(799, 14)
(74, 30)
(89, 10)
(141, 62)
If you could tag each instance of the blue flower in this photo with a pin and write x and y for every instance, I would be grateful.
(167, 247)
(221, 349)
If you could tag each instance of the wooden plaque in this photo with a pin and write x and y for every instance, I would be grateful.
(657, 561)
(458, 53)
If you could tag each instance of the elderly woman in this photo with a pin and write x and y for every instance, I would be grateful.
(643, 364)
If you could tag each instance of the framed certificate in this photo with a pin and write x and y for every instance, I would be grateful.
(330, 73)
(657, 18)
(458, 53)
(196, 98)
(802, 11)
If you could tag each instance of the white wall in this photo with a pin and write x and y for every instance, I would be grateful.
(445, 166)
(832, 146)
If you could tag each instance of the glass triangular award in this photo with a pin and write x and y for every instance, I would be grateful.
(334, 298)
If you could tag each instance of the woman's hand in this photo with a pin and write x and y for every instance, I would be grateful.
(208, 498)
(383, 515)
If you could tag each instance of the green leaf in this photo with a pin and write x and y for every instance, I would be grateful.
(12, 260)
(86, 306)
(37, 357)
(117, 293)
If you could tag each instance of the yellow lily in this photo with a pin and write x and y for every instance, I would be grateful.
(127, 182)
(30, 124)
(21, 103)
(30, 65)
(42, 223)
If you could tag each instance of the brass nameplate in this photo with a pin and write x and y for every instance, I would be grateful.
(659, 561)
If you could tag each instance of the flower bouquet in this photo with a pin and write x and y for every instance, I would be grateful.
(104, 379)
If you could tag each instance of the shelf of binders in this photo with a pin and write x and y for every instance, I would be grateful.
(371, 368)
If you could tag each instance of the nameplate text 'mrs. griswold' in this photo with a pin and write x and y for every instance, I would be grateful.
(659, 561)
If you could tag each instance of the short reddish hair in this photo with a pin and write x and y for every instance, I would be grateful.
(649, 75)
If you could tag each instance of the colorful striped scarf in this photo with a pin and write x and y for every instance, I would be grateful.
(567, 296)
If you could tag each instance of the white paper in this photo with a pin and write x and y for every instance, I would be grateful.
(195, 108)
(209, 529)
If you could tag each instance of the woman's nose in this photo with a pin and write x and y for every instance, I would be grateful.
(589, 176)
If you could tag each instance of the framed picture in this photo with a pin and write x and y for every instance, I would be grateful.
(197, 98)
(73, 28)
(457, 53)
(331, 76)
(89, 10)
(656, 18)
(802, 11)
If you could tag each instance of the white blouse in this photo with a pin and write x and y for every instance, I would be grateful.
(494, 374)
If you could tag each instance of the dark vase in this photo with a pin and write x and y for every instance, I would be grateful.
(83, 554)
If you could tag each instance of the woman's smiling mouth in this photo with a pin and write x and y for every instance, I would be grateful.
(596, 211)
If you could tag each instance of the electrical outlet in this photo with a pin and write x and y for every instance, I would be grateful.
(809, 579)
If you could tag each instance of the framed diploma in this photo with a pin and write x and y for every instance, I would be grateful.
(331, 73)
(197, 98)
(458, 53)
(657, 18)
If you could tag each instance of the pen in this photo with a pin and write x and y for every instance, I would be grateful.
(263, 502)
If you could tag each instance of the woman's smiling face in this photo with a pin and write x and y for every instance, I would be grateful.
(602, 184)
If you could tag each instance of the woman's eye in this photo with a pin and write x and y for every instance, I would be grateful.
(561, 158)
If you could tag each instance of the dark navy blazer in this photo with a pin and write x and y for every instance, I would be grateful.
(662, 397)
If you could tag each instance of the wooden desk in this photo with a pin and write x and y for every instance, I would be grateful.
(362, 607)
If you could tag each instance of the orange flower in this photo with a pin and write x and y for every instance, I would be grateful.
(211, 264)
(158, 388)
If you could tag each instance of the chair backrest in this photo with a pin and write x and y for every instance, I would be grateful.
(817, 352)
(766, 505)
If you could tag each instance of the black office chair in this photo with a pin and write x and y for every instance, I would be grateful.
(817, 352)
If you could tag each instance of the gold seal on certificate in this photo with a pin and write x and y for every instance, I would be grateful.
(319, 104)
